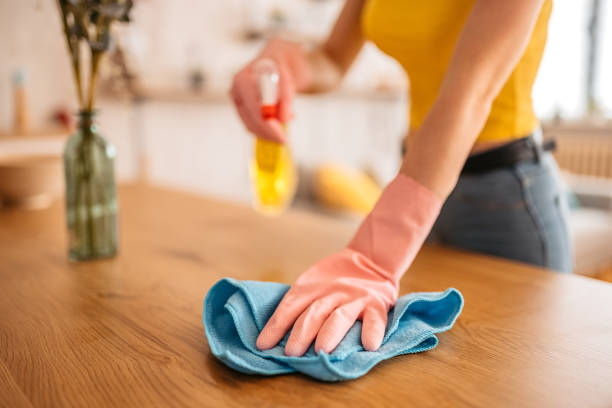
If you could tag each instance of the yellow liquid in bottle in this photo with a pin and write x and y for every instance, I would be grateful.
(273, 176)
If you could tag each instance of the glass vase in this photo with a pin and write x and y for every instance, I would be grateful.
(91, 196)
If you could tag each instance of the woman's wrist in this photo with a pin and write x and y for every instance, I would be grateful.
(435, 180)
(313, 71)
(294, 58)
(325, 73)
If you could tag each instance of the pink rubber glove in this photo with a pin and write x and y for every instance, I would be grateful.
(361, 281)
(294, 74)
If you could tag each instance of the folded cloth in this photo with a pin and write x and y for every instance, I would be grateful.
(236, 311)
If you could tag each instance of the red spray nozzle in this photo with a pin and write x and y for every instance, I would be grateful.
(267, 75)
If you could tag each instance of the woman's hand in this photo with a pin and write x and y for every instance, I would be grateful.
(294, 74)
(319, 70)
(360, 282)
(325, 302)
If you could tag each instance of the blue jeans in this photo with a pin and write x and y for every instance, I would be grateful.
(517, 213)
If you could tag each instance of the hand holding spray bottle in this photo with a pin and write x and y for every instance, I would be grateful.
(273, 173)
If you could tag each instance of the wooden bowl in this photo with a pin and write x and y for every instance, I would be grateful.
(30, 181)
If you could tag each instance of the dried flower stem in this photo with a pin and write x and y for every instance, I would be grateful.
(74, 54)
(96, 57)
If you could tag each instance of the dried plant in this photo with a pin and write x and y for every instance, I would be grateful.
(89, 22)
(88, 162)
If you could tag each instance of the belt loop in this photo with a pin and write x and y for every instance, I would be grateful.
(536, 144)
(537, 135)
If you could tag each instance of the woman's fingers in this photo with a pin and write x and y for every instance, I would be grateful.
(283, 318)
(255, 122)
(245, 96)
(308, 324)
(322, 319)
(373, 328)
(273, 125)
(337, 325)
(275, 130)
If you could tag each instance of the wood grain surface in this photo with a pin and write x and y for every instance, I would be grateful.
(127, 332)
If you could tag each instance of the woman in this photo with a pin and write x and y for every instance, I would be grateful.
(473, 144)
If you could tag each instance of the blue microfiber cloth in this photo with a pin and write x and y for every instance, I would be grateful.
(236, 311)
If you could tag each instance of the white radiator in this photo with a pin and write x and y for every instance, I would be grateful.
(583, 149)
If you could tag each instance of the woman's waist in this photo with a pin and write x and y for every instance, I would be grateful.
(484, 144)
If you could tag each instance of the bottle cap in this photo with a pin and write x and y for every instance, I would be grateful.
(268, 78)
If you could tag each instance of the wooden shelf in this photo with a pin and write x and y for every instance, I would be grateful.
(48, 133)
(170, 95)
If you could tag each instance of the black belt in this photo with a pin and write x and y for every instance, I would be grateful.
(507, 155)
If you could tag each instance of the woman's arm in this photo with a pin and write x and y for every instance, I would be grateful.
(332, 59)
(492, 41)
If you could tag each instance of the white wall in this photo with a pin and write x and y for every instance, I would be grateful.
(30, 38)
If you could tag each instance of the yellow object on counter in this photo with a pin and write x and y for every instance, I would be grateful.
(344, 189)
(274, 177)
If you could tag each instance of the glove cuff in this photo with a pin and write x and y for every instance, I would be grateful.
(394, 231)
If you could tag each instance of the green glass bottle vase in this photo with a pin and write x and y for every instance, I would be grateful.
(91, 195)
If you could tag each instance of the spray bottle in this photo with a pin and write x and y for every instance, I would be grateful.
(273, 173)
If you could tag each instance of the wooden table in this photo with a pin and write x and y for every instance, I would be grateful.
(128, 331)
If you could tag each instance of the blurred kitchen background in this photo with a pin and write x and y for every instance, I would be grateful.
(164, 102)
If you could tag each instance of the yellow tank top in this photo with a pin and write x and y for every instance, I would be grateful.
(421, 36)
